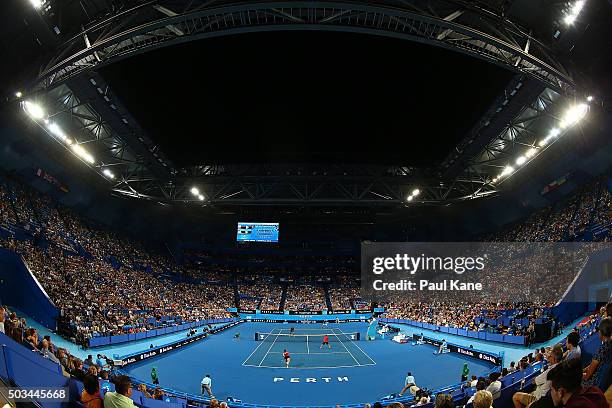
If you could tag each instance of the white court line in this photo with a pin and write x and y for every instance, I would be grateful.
(307, 346)
(309, 368)
(366, 354)
(256, 348)
(347, 350)
(271, 345)
(329, 352)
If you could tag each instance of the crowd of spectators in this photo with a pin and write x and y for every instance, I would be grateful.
(260, 293)
(106, 283)
(305, 298)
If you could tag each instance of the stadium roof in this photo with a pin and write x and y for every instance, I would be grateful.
(306, 96)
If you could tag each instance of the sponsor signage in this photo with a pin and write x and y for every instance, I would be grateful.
(480, 355)
(270, 312)
(224, 327)
(170, 347)
(160, 350)
(305, 312)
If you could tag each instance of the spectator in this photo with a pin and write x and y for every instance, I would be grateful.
(573, 349)
(78, 372)
(483, 399)
(495, 385)
(444, 401)
(143, 388)
(566, 390)
(480, 386)
(596, 372)
(522, 399)
(90, 397)
(121, 398)
(158, 394)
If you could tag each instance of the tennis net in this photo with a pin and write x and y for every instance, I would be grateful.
(315, 338)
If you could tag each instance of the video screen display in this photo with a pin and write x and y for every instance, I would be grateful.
(257, 232)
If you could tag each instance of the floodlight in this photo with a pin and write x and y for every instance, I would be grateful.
(18, 94)
(521, 160)
(569, 19)
(589, 98)
(195, 191)
(410, 198)
(531, 152)
(83, 154)
(573, 12)
(201, 197)
(507, 170)
(554, 132)
(108, 173)
(36, 3)
(34, 110)
(416, 192)
(56, 130)
(575, 113)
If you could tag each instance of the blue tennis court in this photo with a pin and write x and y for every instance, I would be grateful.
(352, 371)
(307, 349)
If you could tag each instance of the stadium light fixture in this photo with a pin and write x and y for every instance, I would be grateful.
(34, 110)
(83, 154)
(18, 94)
(36, 3)
(416, 192)
(201, 197)
(195, 191)
(108, 173)
(574, 114)
(531, 152)
(56, 130)
(590, 98)
(410, 198)
(573, 12)
(507, 170)
(521, 160)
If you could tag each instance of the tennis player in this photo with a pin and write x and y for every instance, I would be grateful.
(287, 358)
(325, 342)
(292, 331)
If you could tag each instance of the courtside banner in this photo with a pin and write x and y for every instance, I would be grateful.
(224, 327)
(474, 273)
(154, 352)
(305, 312)
(453, 348)
(161, 350)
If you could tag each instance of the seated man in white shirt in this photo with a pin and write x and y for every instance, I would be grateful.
(443, 347)
(522, 399)
(495, 385)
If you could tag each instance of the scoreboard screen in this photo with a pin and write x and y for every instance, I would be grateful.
(257, 232)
